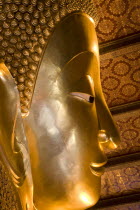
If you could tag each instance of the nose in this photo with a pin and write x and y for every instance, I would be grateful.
(103, 137)
(100, 160)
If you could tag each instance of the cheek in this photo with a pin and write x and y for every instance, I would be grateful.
(83, 113)
(82, 118)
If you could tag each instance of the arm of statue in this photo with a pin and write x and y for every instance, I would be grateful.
(13, 146)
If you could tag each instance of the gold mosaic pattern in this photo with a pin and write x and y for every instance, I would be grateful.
(118, 18)
(120, 76)
(8, 198)
(128, 125)
(121, 181)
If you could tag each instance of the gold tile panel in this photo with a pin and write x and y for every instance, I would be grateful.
(118, 18)
(120, 75)
(128, 125)
(122, 181)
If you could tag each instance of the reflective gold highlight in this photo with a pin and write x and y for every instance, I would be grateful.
(56, 160)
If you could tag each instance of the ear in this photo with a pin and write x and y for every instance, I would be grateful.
(13, 147)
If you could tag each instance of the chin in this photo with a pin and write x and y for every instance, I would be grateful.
(80, 198)
(67, 204)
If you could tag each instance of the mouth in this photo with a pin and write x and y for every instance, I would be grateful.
(97, 171)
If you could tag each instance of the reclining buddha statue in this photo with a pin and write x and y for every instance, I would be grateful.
(54, 121)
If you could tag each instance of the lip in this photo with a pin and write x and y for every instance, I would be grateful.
(97, 171)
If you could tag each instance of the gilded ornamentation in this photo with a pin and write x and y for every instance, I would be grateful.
(117, 19)
(121, 181)
(13, 144)
(128, 125)
(74, 125)
(120, 76)
(26, 27)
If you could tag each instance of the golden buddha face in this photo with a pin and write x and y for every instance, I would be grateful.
(69, 121)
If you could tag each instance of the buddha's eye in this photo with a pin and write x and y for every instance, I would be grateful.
(84, 96)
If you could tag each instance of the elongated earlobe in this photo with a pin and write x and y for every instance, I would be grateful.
(13, 143)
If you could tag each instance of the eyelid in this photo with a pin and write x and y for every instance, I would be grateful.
(84, 96)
